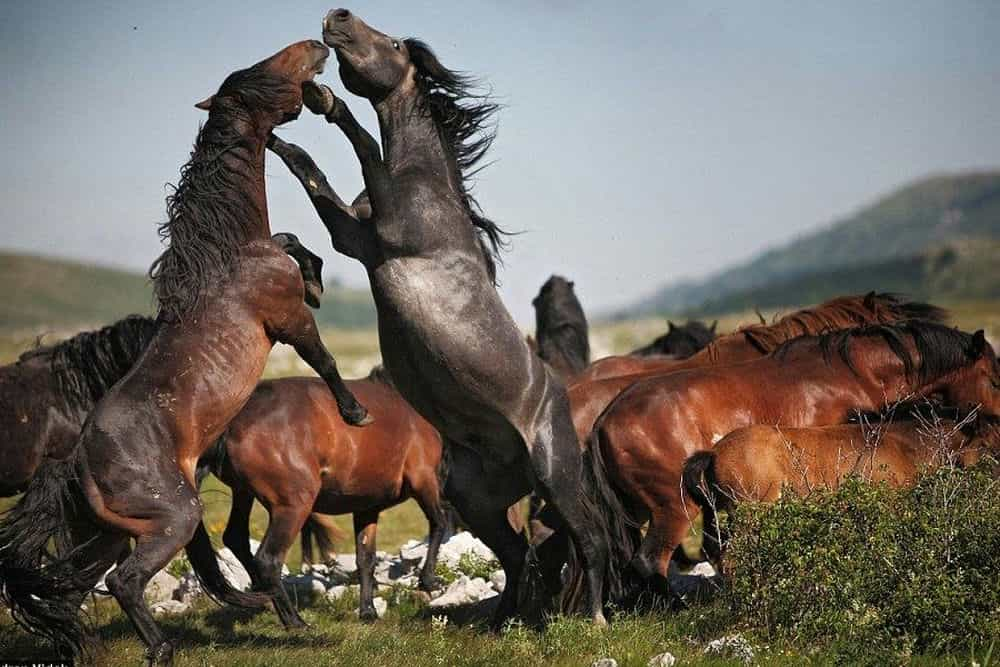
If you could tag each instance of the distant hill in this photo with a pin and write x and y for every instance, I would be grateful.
(886, 245)
(58, 293)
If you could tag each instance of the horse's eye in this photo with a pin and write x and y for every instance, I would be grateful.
(395, 44)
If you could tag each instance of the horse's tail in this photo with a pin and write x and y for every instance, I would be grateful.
(617, 525)
(325, 532)
(206, 567)
(44, 590)
(701, 484)
(200, 552)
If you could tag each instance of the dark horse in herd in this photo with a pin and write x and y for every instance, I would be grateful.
(227, 293)
(112, 430)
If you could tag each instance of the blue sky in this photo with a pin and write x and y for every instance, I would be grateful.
(640, 142)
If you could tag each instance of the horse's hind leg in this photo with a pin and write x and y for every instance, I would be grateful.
(237, 534)
(306, 539)
(365, 528)
(429, 500)
(558, 466)
(481, 498)
(286, 522)
(169, 527)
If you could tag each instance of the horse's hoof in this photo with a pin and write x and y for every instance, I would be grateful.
(358, 416)
(368, 615)
(599, 620)
(318, 98)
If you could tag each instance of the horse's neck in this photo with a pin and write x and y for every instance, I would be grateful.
(411, 139)
(251, 152)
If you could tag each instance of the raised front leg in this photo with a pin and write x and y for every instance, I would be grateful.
(321, 100)
(349, 235)
(300, 332)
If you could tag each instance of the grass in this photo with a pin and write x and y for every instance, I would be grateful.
(212, 636)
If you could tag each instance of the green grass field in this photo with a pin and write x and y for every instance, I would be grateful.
(407, 635)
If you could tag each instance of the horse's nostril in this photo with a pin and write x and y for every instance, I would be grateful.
(341, 15)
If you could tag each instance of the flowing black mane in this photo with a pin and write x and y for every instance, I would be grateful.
(90, 363)
(939, 348)
(212, 213)
(464, 120)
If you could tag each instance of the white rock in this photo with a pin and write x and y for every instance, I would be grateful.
(189, 588)
(732, 646)
(461, 543)
(604, 662)
(414, 551)
(170, 607)
(498, 580)
(464, 591)
(233, 570)
(346, 563)
(703, 569)
(338, 592)
(161, 587)
(662, 660)
(380, 606)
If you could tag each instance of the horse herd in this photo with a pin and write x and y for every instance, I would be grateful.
(110, 433)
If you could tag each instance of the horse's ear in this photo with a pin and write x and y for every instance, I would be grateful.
(534, 302)
(714, 324)
(979, 345)
(571, 284)
(670, 326)
(205, 104)
(870, 300)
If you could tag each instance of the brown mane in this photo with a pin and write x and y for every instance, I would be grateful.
(840, 313)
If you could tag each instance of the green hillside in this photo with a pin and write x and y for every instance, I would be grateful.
(895, 233)
(957, 271)
(57, 293)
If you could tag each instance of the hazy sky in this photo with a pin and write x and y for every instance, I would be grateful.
(641, 142)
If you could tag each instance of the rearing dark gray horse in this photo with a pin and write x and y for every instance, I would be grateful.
(452, 348)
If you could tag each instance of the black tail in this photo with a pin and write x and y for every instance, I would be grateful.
(702, 486)
(619, 527)
(200, 552)
(44, 589)
(206, 566)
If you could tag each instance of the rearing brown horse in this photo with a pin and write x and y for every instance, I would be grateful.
(649, 431)
(226, 293)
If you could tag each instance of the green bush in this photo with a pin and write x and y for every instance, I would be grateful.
(871, 572)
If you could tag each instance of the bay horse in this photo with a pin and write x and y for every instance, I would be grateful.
(760, 463)
(593, 390)
(446, 338)
(680, 342)
(752, 341)
(226, 293)
(291, 450)
(561, 332)
(47, 394)
(651, 429)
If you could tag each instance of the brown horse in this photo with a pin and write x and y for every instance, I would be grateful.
(651, 429)
(593, 390)
(760, 463)
(48, 393)
(290, 449)
(752, 341)
(226, 293)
